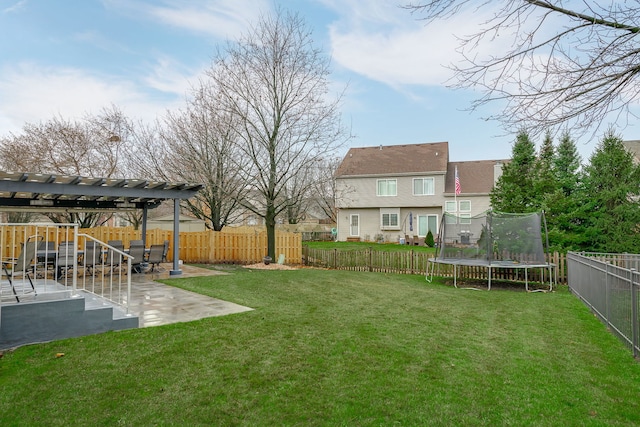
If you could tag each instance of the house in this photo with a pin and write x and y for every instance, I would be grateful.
(187, 223)
(389, 192)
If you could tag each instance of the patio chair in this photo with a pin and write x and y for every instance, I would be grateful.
(133, 243)
(165, 251)
(92, 256)
(155, 256)
(46, 257)
(66, 260)
(137, 263)
(21, 265)
(114, 259)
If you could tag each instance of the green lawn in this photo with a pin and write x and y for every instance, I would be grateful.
(337, 348)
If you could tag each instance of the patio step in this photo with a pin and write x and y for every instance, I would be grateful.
(69, 316)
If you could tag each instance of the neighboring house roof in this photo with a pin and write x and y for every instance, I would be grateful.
(633, 147)
(395, 160)
(476, 176)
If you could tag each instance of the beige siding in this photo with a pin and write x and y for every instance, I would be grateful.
(361, 193)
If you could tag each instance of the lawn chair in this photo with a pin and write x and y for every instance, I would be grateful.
(66, 260)
(155, 256)
(114, 259)
(165, 251)
(21, 265)
(137, 263)
(92, 256)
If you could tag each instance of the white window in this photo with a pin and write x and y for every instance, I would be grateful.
(387, 187)
(389, 219)
(450, 206)
(465, 205)
(423, 187)
(465, 218)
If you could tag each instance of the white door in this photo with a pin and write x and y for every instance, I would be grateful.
(354, 228)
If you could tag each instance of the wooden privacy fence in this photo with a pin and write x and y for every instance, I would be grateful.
(205, 247)
(210, 247)
(415, 262)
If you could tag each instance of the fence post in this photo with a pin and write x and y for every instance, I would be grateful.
(634, 314)
(335, 258)
(370, 260)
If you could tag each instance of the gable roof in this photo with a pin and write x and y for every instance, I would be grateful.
(395, 160)
(475, 176)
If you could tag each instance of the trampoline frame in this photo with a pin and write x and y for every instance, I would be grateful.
(490, 266)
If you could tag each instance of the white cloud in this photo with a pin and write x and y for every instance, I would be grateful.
(15, 7)
(218, 18)
(387, 44)
(33, 93)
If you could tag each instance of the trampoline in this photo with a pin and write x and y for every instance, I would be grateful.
(493, 240)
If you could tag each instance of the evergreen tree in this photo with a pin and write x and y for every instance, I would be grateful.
(513, 191)
(545, 183)
(566, 164)
(564, 220)
(610, 203)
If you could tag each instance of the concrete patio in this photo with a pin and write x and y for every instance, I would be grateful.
(158, 304)
(53, 311)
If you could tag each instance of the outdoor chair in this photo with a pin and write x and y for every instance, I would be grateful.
(46, 257)
(137, 263)
(155, 256)
(92, 256)
(113, 258)
(66, 260)
(165, 251)
(407, 240)
(133, 243)
(21, 265)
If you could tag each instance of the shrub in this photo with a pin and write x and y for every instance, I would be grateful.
(429, 239)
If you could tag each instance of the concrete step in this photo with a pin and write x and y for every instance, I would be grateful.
(50, 319)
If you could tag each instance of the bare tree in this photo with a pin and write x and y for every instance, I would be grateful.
(274, 82)
(324, 188)
(200, 147)
(88, 147)
(567, 66)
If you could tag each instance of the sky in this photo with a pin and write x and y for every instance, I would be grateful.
(71, 57)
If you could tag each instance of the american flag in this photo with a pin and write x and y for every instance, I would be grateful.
(458, 189)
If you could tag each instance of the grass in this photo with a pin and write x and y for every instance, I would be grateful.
(363, 246)
(337, 348)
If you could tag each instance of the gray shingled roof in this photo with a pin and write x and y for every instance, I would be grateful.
(395, 160)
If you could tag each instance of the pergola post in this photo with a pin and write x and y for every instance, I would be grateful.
(176, 238)
(144, 225)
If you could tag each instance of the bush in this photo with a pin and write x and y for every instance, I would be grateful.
(429, 239)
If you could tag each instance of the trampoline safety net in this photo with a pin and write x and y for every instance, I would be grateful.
(492, 237)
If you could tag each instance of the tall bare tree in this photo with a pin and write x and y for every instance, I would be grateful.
(274, 82)
(575, 65)
(201, 147)
(92, 146)
(325, 190)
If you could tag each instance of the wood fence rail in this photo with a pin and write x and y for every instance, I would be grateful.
(416, 262)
